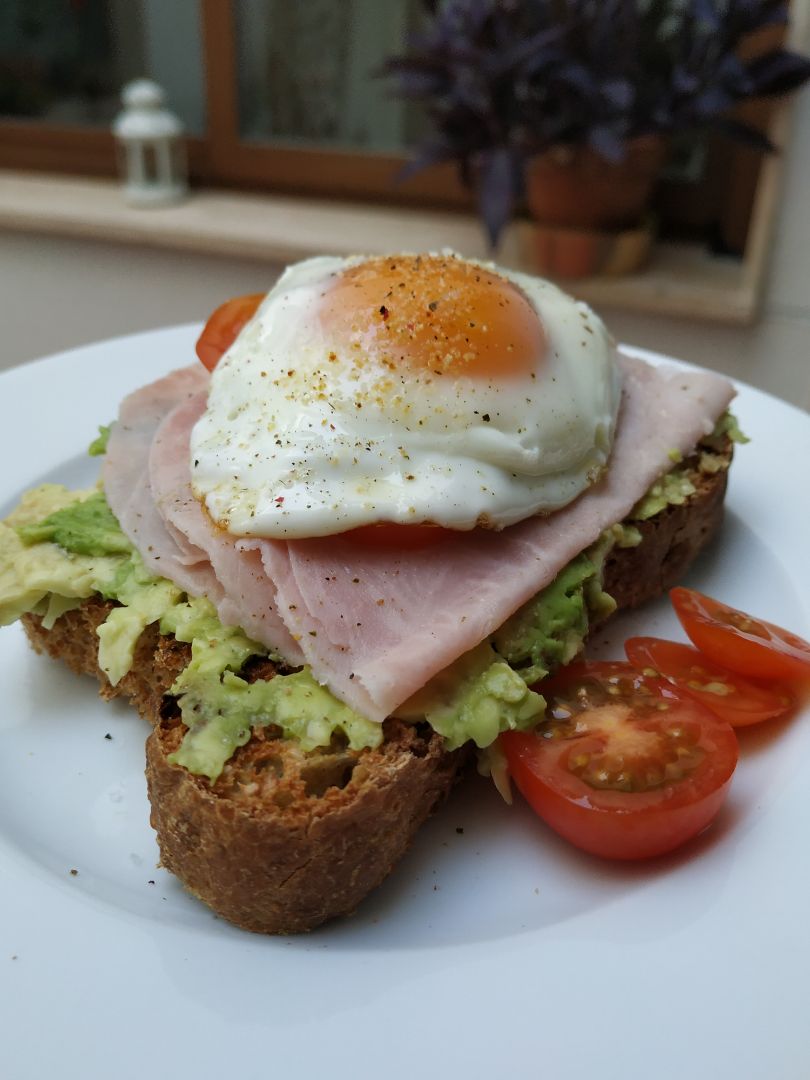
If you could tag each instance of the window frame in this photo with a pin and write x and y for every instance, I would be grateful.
(300, 169)
(221, 158)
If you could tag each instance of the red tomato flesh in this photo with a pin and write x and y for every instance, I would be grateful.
(625, 766)
(740, 642)
(735, 699)
(223, 327)
(392, 536)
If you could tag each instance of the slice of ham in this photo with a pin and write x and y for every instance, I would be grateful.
(166, 528)
(164, 550)
(248, 595)
(375, 626)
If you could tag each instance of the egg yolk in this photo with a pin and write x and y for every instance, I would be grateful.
(434, 312)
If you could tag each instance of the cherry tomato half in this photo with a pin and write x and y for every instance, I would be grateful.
(625, 766)
(390, 535)
(740, 642)
(735, 699)
(223, 327)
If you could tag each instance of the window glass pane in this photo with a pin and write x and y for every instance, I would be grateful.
(306, 72)
(65, 61)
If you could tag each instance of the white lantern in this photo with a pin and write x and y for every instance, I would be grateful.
(153, 160)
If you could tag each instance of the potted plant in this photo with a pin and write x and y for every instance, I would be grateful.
(570, 104)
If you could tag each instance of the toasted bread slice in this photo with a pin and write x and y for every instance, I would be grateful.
(284, 840)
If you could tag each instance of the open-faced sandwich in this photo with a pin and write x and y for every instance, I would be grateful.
(342, 553)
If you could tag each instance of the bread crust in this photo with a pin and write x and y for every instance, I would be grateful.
(283, 841)
(670, 541)
(291, 858)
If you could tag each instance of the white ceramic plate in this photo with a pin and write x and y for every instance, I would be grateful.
(493, 949)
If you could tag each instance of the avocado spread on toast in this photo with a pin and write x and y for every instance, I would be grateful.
(60, 547)
(675, 487)
(46, 545)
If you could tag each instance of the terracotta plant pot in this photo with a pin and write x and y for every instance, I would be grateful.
(573, 187)
(579, 253)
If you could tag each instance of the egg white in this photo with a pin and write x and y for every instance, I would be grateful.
(305, 437)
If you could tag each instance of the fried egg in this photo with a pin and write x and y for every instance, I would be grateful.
(407, 389)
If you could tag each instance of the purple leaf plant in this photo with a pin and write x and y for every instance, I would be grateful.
(504, 80)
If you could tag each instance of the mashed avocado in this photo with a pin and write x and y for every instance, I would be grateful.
(476, 697)
(44, 577)
(549, 630)
(98, 447)
(85, 528)
(60, 547)
(675, 487)
(220, 708)
(726, 427)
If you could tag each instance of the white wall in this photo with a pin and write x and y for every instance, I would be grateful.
(56, 293)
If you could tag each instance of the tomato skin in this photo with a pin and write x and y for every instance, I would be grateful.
(223, 327)
(614, 824)
(743, 703)
(392, 536)
(740, 642)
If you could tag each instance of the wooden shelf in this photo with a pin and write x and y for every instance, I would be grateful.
(682, 280)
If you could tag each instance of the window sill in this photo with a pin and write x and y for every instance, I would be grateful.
(682, 280)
